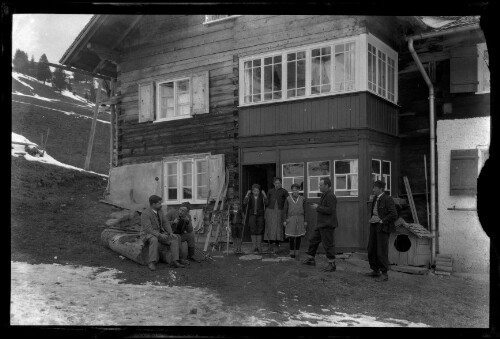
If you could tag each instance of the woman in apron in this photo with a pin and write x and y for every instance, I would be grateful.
(274, 215)
(295, 224)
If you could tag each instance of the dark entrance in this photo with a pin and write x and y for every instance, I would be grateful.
(261, 174)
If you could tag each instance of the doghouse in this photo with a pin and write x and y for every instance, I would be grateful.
(410, 245)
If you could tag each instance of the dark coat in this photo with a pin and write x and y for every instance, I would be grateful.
(236, 216)
(386, 212)
(150, 225)
(186, 226)
(250, 201)
(327, 210)
(279, 195)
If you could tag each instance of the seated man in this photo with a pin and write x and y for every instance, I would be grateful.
(183, 228)
(156, 228)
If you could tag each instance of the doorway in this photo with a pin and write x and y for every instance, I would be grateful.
(261, 174)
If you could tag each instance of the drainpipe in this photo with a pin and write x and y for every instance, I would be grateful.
(432, 144)
(432, 119)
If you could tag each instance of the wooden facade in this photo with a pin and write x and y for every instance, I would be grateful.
(356, 125)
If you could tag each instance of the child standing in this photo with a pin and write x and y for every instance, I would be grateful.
(237, 226)
(295, 224)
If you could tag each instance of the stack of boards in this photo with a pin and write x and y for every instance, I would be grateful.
(444, 264)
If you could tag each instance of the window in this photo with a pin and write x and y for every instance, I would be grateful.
(382, 71)
(174, 99)
(293, 173)
(464, 165)
(296, 70)
(483, 69)
(217, 18)
(346, 177)
(316, 170)
(187, 179)
(320, 69)
(381, 170)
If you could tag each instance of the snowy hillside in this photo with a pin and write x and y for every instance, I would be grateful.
(37, 109)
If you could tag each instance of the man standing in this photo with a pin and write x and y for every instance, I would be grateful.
(381, 225)
(325, 226)
(155, 228)
(183, 228)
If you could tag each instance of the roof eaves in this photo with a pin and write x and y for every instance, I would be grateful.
(66, 58)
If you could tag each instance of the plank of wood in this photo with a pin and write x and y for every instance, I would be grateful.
(410, 199)
(410, 269)
(441, 255)
(92, 129)
(444, 268)
(444, 263)
(442, 273)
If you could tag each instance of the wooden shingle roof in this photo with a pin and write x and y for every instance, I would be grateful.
(416, 229)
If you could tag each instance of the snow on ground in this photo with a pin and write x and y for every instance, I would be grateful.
(18, 77)
(18, 150)
(35, 96)
(54, 294)
(58, 110)
(435, 22)
(76, 97)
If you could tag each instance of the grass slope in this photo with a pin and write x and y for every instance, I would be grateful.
(69, 134)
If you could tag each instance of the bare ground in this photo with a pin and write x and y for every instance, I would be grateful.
(62, 274)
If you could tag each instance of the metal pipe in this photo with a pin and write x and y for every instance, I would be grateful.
(441, 33)
(432, 145)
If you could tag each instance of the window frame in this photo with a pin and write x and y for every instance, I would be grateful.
(158, 83)
(389, 53)
(346, 175)
(360, 65)
(193, 159)
(303, 175)
(309, 191)
(383, 177)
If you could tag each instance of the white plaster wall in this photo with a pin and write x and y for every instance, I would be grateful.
(460, 233)
(140, 178)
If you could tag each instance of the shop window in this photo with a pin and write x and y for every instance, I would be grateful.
(346, 178)
(316, 170)
(293, 173)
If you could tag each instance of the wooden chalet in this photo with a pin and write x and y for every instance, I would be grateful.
(295, 96)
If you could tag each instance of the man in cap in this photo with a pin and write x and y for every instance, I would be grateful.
(183, 228)
(156, 229)
(383, 216)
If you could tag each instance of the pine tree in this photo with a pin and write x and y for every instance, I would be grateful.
(59, 79)
(43, 72)
(32, 67)
(20, 61)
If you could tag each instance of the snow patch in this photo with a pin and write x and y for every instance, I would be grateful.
(75, 97)
(435, 22)
(17, 76)
(344, 319)
(18, 150)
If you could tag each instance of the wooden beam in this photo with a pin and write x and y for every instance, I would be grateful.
(76, 70)
(111, 126)
(92, 130)
(99, 65)
(126, 32)
(104, 52)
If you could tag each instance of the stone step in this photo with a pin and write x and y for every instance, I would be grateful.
(444, 256)
(444, 263)
(410, 269)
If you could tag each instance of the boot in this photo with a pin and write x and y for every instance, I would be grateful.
(191, 251)
(259, 243)
(374, 273)
(254, 243)
(309, 261)
(383, 277)
(296, 253)
(331, 267)
(152, 266)
(177, 264)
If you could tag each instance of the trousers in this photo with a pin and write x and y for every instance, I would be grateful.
(155, 244)
(325, 235)
(378, 249)
(188, 237)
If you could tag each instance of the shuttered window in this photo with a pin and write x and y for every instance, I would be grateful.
(171, 99)
(464, 69)
(464, 172)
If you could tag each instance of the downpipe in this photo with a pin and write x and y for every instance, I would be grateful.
(432, 145)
